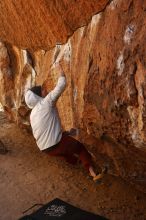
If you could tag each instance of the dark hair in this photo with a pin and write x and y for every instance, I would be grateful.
(37, 90)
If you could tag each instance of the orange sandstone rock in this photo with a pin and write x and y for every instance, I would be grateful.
(40, 24)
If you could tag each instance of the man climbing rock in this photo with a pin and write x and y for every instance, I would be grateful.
(46, 126)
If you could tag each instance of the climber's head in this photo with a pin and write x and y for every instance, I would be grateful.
(37, 90)
(34, 95)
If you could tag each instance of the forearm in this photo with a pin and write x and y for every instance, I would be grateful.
(58, 90)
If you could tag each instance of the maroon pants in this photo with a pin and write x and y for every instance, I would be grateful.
(71, 150)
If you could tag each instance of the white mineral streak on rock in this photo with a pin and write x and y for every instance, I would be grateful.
(3, 56)
(62, 52)
(67, 51)
(136, 113)
(117, 104)
(4, 70)
(3, 51)
(120, 64)
(1, 75)
(24, 52)
(136, 125)
(80, 33)
(94, 26)
(18, 101)
(56, 52)
(1, 108)
(75, 93)
(95, 20)
(113, 5)
(129, 33)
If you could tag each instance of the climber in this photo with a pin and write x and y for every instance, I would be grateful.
(46, 126)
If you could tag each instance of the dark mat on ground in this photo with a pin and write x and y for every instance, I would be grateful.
(60, 210)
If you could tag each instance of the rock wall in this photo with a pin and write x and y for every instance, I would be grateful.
(105, 65)
(42, 23)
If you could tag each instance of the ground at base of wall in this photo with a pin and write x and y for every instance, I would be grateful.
(28, 177)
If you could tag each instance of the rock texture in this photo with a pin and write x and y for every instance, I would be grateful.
(105, 65)
(42, 23)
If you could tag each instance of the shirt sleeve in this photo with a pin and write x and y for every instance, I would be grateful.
(57, 91)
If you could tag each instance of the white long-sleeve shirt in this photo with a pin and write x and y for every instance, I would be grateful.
(44, 117)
